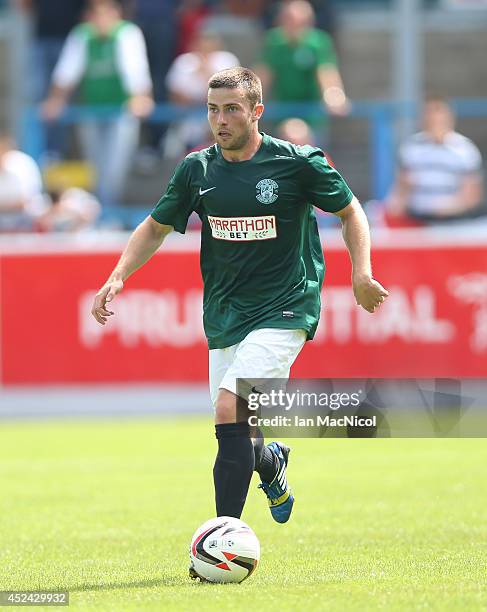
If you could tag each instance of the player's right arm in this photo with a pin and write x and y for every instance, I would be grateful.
(171, 212)
(143, 243)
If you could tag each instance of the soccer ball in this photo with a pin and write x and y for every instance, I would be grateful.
(224, 549)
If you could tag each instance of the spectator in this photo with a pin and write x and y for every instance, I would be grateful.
(187, 81)
(106, 57)
(21, 199)
(72, 210)
(324, 14)
(299, 62)
(297, 131)
(439, 171)
(188, 76)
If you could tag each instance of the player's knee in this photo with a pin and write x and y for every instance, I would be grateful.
(225, 407)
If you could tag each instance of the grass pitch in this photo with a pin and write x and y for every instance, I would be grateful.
(106, 511)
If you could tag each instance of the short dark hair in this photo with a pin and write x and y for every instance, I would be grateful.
(232, 78)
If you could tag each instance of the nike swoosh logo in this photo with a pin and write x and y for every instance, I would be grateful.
(203, 191)
(284, 157)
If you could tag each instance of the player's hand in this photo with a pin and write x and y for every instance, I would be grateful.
(102, 298)
(368, 292)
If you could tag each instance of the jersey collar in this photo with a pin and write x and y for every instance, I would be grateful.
(258, 154)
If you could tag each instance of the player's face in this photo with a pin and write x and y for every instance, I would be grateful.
(231, 117)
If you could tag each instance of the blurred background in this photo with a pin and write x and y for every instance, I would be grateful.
(101, 99)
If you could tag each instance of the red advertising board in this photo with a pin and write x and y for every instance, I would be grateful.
(434, 324)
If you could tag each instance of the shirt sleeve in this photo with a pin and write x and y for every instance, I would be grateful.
(472, 159)
(177, 204)
(132, 60)
(326, 51)
(324, 186)
(72, 61)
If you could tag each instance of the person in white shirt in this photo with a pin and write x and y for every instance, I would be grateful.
(21, 198)
(440, 170)
(72, 210)
(187, 84)
(105, 60)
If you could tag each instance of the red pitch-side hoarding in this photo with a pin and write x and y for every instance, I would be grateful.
(434, 324)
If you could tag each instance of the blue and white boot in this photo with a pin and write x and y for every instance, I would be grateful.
(278, 493)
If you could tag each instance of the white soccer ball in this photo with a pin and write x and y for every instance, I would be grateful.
(224, 549)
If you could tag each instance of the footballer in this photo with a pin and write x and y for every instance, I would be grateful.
(262, 267)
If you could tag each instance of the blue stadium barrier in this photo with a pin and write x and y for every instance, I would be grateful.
(381, 116)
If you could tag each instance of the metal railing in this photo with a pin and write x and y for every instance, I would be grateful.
(382, 118)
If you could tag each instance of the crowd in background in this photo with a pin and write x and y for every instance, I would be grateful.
(131, 55)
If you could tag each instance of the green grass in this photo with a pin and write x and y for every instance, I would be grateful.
(106, 510)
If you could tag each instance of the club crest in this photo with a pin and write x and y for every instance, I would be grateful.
(266, 191)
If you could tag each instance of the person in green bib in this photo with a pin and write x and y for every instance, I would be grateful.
(104, 61)
(299, 64)
(262, 266)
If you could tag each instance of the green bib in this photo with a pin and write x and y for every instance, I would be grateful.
(102, 83)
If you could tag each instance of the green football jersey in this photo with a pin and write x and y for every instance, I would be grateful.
(261, 257)
(102, 81)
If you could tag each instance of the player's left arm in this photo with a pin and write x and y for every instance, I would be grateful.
(368, 292)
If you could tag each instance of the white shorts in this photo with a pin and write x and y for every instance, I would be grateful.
(264, 353)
